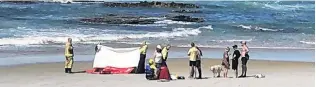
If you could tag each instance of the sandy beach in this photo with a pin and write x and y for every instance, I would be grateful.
(278, 74)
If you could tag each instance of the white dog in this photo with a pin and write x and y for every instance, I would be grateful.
(216, 69)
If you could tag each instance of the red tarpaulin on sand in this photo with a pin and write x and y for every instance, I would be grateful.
(111, 70)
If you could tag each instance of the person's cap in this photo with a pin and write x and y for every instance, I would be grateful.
(235, 46)
(158, 46)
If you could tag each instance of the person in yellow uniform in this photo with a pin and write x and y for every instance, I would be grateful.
(141, 64)
(69, 54)
(153, 68)
(165, 52)
(194, 54)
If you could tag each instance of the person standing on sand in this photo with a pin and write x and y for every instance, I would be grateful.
(97, 48)
(193, 54)
(69, 54)
(244, 58)
(158, 58)
(236, 56)
(225, 62)
(141, 64)
(198, 62)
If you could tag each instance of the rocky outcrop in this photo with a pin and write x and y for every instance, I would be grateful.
(121, 19)
(151, 4)
(117, 19)
(186, 11)
(185, 18)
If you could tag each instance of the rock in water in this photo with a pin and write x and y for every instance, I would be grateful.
(185, 18)
(120, 19)
(151, 4)
(117, 19)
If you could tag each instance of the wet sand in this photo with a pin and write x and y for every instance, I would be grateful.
(278, 74)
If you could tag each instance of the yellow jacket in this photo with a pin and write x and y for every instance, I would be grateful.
(164, 53)
(152, 64)
(143, 49)
(193, 53)
(68, 49)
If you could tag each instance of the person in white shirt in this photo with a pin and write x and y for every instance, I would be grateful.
(158, 59)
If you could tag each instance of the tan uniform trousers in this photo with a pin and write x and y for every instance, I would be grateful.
(69, 63)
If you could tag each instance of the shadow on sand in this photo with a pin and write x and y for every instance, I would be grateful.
(78, 72)
(203, 78)
(247, 77)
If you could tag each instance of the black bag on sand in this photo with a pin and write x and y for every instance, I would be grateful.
(181, 77)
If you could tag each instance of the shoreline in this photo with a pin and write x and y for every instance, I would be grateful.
(86, 53)
(12, 56)
(172, 59)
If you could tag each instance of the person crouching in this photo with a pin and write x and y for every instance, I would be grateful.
(150, 73)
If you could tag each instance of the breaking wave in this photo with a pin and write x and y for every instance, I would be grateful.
(212, 46)
(280, 6)
(52, 38)
(258, 28)
(307, 42)
(173, 22)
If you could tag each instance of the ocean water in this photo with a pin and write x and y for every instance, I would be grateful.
(42, 28)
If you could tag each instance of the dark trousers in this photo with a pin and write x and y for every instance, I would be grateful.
(196, 64)
(141, 64)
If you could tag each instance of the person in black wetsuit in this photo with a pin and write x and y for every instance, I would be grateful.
(236, 56)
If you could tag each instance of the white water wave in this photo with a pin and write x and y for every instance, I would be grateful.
(307, 42)
(61, 37)
(173, 22)
(212, 46)
(233, 40)
(250, 27)
(277, 6)
(145, 24)
(284, 7)
(209, 27)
